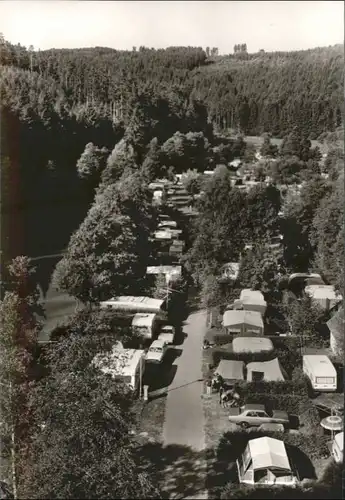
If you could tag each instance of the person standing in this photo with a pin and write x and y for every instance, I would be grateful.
(221, 390)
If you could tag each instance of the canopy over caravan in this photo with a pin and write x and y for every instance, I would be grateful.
(252, 344)
(323, 295)
(243, 322)
(253, 300)
(171, 272)
(135, 304)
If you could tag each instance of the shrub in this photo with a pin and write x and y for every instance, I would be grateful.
(278, 388)
(332, 476)
(232, 491)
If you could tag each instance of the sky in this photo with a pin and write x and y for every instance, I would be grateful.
(274, 25)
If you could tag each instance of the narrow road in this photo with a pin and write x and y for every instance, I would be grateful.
(184, 417)
(58, 306)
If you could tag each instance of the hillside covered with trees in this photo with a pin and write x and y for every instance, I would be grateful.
(56, 102)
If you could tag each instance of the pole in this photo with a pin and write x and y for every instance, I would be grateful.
(13, 455)
(167, 292)
(141, 376)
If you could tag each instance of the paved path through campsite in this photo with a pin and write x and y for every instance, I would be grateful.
(184, 417)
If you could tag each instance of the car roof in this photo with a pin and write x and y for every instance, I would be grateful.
(254, 407)
(157, 343)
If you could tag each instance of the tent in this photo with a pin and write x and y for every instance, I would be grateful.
(269, 371)
(230, 371)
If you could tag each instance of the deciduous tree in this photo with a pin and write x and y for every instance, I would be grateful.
(81, 447)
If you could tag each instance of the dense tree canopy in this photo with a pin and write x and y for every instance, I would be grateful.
(81, 447)
(328, 227)
(109, 252)
(18, 338)
(218, 235)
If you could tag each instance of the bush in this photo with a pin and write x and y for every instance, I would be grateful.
(332, 476)
(232, 491)
(278, 388)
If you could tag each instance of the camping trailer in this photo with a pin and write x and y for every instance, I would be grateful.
(127, 365)
(265, 461)
(321, 372)
(134, 304)
(145, 325)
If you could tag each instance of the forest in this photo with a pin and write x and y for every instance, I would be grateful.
(55, 102)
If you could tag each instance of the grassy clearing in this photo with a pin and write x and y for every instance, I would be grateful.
(152, 418)
(257, 142)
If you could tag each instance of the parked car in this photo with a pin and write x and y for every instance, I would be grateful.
(156, 351)
(254, 415)
(167, 334)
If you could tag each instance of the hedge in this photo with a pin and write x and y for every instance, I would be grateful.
(293, 387)
(232, 491)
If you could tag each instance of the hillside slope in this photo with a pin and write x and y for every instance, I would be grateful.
(252, 93)
(275, 92)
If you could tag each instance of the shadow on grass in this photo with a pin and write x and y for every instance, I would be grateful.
(181, 471)
(294, 422)
(178, 470)
(301, 462)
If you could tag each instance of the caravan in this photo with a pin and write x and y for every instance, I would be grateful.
(321, 372)
(126, 365)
